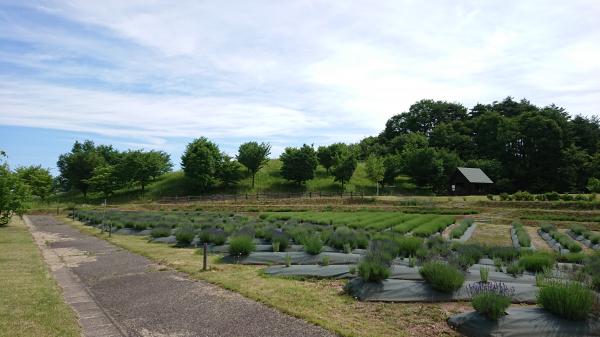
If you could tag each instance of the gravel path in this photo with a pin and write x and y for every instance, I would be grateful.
(142, 301)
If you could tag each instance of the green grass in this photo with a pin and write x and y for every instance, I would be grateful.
(317, 301)
(423, 224)
(30, 300)
(268, 179)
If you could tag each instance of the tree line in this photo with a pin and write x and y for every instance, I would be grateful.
(521, 147)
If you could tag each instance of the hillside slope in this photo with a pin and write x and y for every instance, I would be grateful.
(268, 179)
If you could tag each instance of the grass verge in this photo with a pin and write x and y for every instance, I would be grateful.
(318, 301)
(30, 300)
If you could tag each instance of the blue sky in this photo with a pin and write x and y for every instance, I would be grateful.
(154, 75)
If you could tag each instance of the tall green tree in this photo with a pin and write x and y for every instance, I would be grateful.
(230, 171)
(14, 193)
(105, 179)
(345, 165)
(77, 166)
(375, 168)
(328, 155)
(254, 156)
(298, 164)
(142, 167)
(38, 179)
(201, 162)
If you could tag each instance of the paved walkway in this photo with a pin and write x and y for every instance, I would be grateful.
(118, 293)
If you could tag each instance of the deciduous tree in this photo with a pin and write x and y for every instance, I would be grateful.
(299, 164)
(254, 156)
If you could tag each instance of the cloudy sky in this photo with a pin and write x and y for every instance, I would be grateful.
(156, 74)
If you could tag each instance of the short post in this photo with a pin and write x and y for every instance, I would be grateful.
(73, 214)
(57, 210)
(205, 249)
(110, 229)
(310, 195)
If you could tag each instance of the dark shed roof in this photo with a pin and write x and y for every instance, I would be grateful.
(475, 175)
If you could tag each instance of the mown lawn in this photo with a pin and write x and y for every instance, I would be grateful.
(30, 301)
(320, 302)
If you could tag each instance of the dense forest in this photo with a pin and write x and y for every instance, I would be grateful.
(520, 146)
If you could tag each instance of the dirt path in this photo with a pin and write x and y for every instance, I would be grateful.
(539, 243)
(142, 301)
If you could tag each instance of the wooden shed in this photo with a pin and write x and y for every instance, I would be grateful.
(469, 180)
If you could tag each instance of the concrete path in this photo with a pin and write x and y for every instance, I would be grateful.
(118, 293)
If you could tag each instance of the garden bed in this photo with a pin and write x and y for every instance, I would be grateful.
(522, 322)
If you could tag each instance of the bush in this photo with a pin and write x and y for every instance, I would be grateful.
(548, 228)
(570, 300)
(536, 262)
(484, 274)
(373, 270)
(552, 196)
(490, 197)
(504, 197)
(566, 197)
(241, 245)
(469, 254)
(490, 299)
(408, 245)
(185, 235)
(160, 232)
(442, 277)
(343, 235)
(282, 239)
(578, 229)
(375, 266)
(523, 196)
(313, 245)
(506, 254)
(515, 269)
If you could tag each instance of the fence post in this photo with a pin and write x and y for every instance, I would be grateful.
(246, 196)
(205, 249)
(319, 194)
(73, 213)
(351, 194)
(310, 195)
(256, 195)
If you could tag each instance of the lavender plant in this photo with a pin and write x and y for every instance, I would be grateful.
(490, 299)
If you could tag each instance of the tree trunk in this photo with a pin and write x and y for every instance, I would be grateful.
(143, 189)
(377, 184)
(253, 175)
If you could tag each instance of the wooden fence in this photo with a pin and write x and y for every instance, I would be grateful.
(259, 196)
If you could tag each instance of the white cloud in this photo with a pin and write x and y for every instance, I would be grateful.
(313, 70)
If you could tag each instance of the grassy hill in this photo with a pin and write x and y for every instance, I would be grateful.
(268, 179)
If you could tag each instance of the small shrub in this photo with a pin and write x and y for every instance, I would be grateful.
(442, 277)
(185, 235)
(566, 197)
(490, 299)
(373, 270)
(280, 238)
(352, 270)
(548, 228)
(347, 248)
(484, 274)
(536, 262)
(552, 196)
(490, 197)
(578, 229)
(504, 196)
(515, 269)
(523, 196)
(570, 300)
(241, 245)
(412, 262)
(275, 246)
(461, 228)
(506, 254)
(469, 254)
(160, 232)
(325, 260)
(408, 245)
(313, 245)
(288, 260)
(522, 235)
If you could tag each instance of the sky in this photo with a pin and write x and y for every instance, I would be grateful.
(154, 74)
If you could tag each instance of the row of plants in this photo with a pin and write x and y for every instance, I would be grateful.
(549, 196)
(522, 236)
(461, 227)
(580, 230)
(562, 238)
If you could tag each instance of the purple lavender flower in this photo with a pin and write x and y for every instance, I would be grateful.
(498, 288)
